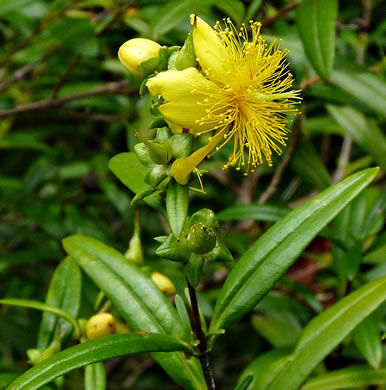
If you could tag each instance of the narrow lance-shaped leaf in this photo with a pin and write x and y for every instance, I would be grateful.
(347, 378)
(92, 352)
(316, 21)
(64, 292)
(267, 260)
(95, 377)
(140, 302)
(326, 331)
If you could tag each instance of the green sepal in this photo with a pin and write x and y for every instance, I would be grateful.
(219, 253)
(142, 152)
(182, 145)
(186, 57)
(163, 134)
(173, 249)
(143, 87)
(177, 201)
(156, 174)
(142, 194)
(193, 269)
(173, 49)
(163, 58)
(172, 61)
(156, 123)
(147, 67)
(161, 239)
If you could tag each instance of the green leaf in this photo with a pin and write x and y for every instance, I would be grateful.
(260, 365)
(149, 309)
(177, 201)
(95, 377)
(92, 352)
(368, 88)
(364, 132)
(77, 34)
(44, 307)
(258, 212)
(65, 293)
(129, 170)
(267, 260)
(326, 331)
(367, 338)
(316, 22)
(347, 378)
(308, 165)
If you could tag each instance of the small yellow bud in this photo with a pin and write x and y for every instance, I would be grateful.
(100, 325)
(135, 51)
(163, 283)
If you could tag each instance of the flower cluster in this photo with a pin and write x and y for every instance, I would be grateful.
(238, 91)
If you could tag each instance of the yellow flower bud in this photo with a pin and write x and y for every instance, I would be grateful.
(163, 283)
(100, 325)
(135, 51)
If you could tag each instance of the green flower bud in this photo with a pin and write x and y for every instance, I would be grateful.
(135, 252)
(186, 57)
(142, 152)
(206, 217)
(36, 356)
(163, 283)
(133, 52)
(159, 152)
(201, 239)
(156, 175)
(100, 325)
(182, 145)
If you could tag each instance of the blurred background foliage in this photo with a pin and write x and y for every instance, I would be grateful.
(67, 106)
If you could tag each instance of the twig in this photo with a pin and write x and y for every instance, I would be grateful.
(113, 88)
(91, 117)
(279, 14)
(271, 189)
(201, 338)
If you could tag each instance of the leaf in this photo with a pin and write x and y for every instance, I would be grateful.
(44, 307)
(77, 34)
(277, 249)
(65, 293)
(326, 331)
(129, 170)
(149, 309)
(177, 201)
(260, 365)
(95, 377)
(365, 134)
(347, 378)
(92, 352)
(368, 88)
(316, 22)
(258, 212)
(367, 338)
(308, 165)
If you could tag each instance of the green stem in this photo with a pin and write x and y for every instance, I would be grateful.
(204, 359)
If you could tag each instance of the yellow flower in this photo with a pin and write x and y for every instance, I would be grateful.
(136, 50)
(241, 93)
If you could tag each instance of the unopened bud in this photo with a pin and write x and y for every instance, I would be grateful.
(163, 283)
(100, 325)
(135, 51)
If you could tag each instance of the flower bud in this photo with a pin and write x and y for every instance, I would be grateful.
(135, 51)
(201, 239)
(36, 356)
(100, 325)
(163, 283)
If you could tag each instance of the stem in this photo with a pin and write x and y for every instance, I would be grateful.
(204, 359)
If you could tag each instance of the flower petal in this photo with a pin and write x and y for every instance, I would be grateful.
(210, 52)
(189, 94)
(183, 167)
